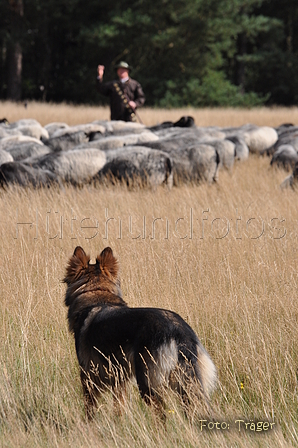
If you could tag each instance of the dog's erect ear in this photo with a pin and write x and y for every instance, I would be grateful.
(80, 253)
(108, 263)
(77, 263)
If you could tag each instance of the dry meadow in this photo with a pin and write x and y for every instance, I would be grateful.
(47, 113)
(224, 256)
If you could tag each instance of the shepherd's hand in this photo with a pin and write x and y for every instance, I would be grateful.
(100, 71)
(132, 105)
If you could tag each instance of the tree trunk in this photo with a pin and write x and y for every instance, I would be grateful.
(14, 71)
(242, 44)
(14, 50)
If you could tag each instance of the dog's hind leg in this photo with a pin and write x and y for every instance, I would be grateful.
(148, 384)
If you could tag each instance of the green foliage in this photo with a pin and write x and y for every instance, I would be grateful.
(214, 90)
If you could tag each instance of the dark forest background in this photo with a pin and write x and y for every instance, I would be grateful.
(184, 52)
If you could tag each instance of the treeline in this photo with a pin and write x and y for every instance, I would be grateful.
(184, 52)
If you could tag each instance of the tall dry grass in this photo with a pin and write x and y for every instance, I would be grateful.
(47, 113)
(223, 256)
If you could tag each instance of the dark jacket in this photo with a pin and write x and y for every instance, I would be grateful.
(132, 91)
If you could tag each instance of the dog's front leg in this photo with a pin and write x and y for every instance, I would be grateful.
(89, 395)
(119, 395)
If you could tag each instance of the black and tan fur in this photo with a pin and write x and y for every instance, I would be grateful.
(115, 342)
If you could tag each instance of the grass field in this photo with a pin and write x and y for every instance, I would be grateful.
(223, 256)
(46, 113)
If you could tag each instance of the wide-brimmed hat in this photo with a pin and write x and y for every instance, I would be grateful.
(123, 64)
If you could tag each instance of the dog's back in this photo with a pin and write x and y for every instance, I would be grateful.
(155, 345)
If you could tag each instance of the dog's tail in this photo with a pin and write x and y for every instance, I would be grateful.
(205, 371)
(196, 364)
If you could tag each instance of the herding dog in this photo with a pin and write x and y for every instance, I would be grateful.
(114, 342)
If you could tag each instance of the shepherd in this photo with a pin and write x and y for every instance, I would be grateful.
(126, 94)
